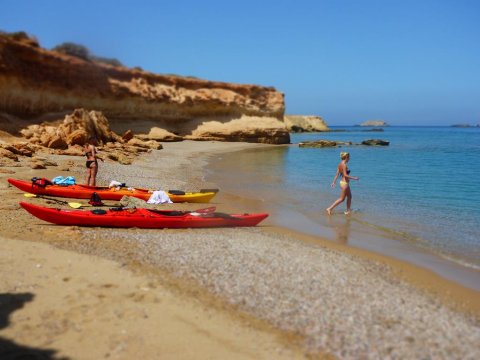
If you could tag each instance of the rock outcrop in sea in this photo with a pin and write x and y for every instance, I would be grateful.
(374, 123)
(37, 85)
(330, 143)
(305, 123)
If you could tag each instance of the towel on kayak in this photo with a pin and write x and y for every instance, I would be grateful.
(159, 197)
(117, 185)
(64, 181)
(114, 183)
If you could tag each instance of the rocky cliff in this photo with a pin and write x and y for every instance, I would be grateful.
(37, 84)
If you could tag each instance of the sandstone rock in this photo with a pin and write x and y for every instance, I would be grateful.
(28, 132)
(77, 137)
(37, 165)
(50, 163)
(74, 150)
(75, 129)
(38, 158)
(21, 149)
(122, 159)
(93, 123)
(128, 135)
(113, 156)
(138, 143)
(246, 129)
(135, 150)
(151, 144)
(4, 153)
(57, 142)
(304, 123)
(375, 142)
(44, 139)
(159, 134)
(318, 144)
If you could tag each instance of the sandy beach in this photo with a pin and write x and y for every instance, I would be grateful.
(263, 292)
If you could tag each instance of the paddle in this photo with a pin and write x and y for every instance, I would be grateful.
(207, 210)
(74, 205)
(198, 212)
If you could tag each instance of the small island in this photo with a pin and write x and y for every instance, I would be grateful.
(374, 123)
(464, 125)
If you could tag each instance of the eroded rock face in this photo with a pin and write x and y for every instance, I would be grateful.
(305, 123)
(75, 129)
(34, 82)
(68, 136)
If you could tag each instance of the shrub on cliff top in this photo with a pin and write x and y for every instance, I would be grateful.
(21, 36)
(73, 49)
(82, 52)
(108, 61)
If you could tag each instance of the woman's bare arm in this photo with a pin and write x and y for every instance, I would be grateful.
(335, 179)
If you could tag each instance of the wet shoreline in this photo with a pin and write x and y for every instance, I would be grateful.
(351, 230)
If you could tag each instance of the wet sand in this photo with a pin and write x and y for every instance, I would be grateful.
(284, 290)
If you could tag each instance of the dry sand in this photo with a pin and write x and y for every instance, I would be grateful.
(216, 293)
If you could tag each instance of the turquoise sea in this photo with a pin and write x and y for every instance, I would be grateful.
(418, 199)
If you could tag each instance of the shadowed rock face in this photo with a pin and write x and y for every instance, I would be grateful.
(35, 82)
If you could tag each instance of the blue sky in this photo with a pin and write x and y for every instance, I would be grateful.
(408, 62)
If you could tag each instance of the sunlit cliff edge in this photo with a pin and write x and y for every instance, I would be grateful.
(38, 84)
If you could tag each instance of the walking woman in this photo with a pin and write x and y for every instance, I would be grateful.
(92, 162)
(344, 174)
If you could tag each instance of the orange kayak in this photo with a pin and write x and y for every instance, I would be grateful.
(79, 191)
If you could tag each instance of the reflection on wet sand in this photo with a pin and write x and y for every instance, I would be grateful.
(341, 226)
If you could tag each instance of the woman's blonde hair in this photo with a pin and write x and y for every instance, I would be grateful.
(344, 154)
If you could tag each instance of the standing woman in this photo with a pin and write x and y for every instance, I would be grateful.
(92, 162)
(344, 173)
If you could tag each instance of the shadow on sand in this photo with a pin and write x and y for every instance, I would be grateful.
(9, 350)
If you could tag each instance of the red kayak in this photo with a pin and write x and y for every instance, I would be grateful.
(142, 218)
(79, 191)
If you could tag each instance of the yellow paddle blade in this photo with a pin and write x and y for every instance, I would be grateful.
(75, 205)
(28, 195)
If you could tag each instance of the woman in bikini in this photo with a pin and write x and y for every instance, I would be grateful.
(92, 162)
(344, 173)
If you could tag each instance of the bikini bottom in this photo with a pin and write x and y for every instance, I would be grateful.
(90, 162)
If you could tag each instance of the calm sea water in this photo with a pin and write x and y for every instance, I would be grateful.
(422, 189)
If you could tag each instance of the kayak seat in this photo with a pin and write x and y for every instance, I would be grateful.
(176, 192)
(99, 212)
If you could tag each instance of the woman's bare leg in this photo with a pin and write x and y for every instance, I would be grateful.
(349, 201)
(94, 174)
(343, 194)
(89, 175)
